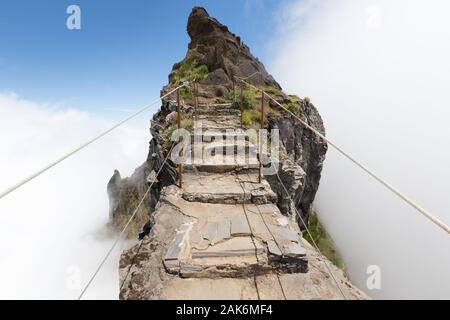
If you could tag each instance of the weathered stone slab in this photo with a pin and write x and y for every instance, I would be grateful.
(175, 247)
(258, 196)
(228, 147)
(195, 237)
(258, 226)
(186, 268)
(217, 163)
(202, 245)
(273, 248)
(294, 250)
(223, 230)
(209, 231)
(239, 226)
(224, 254)
(224, 188)
(284, 233)
(235, 247)
(172, 266)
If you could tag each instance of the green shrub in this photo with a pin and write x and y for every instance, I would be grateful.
(247, 100)
(190, 69)
(186, 94)
(323, 241)
(222, 100)
(272, 90)
(293, 105)
(200, 71)
(250, 117)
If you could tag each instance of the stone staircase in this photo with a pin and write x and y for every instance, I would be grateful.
(236, 228)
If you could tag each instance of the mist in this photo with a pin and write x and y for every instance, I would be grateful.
(52, 230)
(378, 71)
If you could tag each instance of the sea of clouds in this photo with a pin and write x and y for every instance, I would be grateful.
(52, 230)
(378, 71)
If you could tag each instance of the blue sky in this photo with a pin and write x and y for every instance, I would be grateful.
(122, 55)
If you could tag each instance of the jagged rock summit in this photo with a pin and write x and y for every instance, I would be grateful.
(224, 234)
(223, 52)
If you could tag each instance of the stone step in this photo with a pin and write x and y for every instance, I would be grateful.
(214, 105)
(209, 289)
(269, 286)
(218, 118)
(233, 240)
(218, 122)
(229, 147)
(207, 149)
(220, 110)
(209, 135)
(222, 164)
(228, 188)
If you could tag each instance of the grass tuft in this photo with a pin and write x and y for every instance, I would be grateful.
(323, 241)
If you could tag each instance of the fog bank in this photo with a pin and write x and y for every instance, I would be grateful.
(52, 233)
(378, 71)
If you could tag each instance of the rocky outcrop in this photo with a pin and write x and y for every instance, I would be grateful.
(222, 54)
(303, 154)
(125, 194)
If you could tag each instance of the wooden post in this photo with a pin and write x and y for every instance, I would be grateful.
(242, 105)
(180, 169)
(260, 137)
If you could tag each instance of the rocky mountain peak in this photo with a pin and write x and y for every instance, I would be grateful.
(215, 55)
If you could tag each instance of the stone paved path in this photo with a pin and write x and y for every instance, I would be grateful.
(236, 230)
(231, 241)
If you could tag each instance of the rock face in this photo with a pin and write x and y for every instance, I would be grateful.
(223, 52)
(125, 194)
(301, 169)
(224, 228)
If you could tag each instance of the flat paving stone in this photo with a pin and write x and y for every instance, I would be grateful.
(284, 233)
(204, 211)
(223, 230)
(294, 250)
(221, 164)
(173, 253)
(209, 231)
(273, 248)
(195, 237)
(227, 147)
(259, 228)
(239, 226)
(235, 247)
(224, 188)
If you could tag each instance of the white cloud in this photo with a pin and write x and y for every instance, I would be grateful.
(378, 72)
(52, 229)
